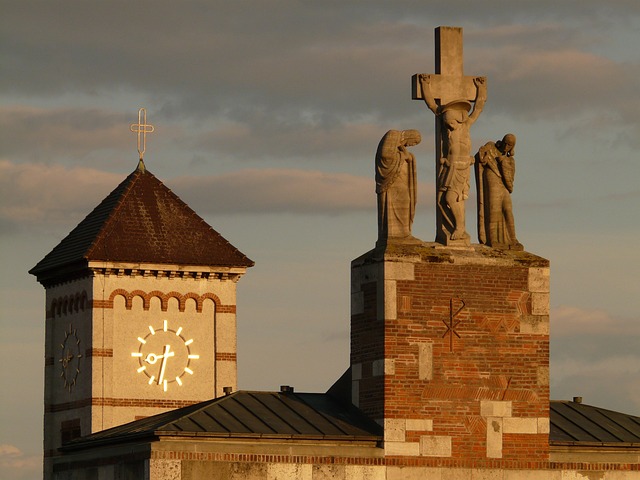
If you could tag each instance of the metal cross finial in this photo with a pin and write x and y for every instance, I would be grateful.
(142, 128)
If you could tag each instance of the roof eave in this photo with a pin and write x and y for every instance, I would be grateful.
(624, 445)
(274, 436)
(61, 273)
(151, 436)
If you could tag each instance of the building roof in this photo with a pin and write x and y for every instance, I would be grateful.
(577, 423)
(246, 414)
(320, 416)
(141, 221)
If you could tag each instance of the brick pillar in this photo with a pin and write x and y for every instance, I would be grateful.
(450, 351)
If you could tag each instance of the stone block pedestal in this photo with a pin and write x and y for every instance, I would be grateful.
(450, 351)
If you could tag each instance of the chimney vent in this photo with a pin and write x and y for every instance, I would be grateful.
(227, 390)
(286, 389)
(577, 399)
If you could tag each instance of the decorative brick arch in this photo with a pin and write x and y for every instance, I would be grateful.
(164, 300)
(76, 302)
(146, 299)
(161, 296)
(69, 304)
(191, 296)
(210, 296)
(179, 297)
(83, 300)
(120, 292)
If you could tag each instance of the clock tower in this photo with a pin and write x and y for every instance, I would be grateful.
(140, 312)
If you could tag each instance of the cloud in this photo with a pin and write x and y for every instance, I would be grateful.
(277, 190)
(363, 56)
(287, 89)
(570, 321)
(594, 353)
(17, 465)
(548, 72)
(265, 138)
(283, 190)
(43, 134)
(35, 194)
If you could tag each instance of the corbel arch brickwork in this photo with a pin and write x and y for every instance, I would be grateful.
(68, 304)
(164, 300)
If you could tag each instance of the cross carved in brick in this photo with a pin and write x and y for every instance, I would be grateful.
(453, 323)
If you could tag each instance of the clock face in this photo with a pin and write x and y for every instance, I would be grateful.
(70, 358)
(164, 356)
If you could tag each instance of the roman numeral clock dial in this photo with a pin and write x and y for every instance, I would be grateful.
(164, 356)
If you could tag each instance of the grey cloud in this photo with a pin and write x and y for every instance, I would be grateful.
(226, 59)
(31, 193)
(43, 134)
(270, 191)
(592, 354)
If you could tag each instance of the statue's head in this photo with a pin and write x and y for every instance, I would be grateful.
(411, 137)
(508, 143)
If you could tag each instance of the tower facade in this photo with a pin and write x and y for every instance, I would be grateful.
(140, 312)
(450, 353)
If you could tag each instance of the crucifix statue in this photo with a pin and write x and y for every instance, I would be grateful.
(457, 101)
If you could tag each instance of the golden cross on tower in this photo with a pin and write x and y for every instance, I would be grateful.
(142, 128)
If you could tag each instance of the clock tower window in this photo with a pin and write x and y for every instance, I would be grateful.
(69, 430)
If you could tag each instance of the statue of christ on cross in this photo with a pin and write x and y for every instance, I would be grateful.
(457, 101)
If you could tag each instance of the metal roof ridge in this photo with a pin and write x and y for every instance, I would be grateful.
(204, 405)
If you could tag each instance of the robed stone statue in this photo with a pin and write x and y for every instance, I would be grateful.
(396, 186)
(495, 174)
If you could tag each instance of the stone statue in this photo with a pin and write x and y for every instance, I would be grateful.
(455, 120)
(396, 186)
(495, 173)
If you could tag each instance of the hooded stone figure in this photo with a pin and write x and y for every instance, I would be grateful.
(495, 174)
(396, 185)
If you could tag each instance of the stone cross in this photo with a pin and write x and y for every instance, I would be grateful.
(449, 90)
(142, 128)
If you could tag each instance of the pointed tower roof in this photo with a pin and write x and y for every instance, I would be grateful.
(140, 221)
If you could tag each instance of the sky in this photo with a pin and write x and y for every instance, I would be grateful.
(267, 116)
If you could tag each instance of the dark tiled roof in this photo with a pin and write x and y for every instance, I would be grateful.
(252, 415)
(142, 221)
(573, 422)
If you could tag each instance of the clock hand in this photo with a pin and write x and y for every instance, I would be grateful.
(165, 355)
(152, 358)
(65, 360)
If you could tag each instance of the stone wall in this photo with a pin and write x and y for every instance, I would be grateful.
(450, 352)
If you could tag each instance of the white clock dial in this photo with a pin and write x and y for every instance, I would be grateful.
(164, 356)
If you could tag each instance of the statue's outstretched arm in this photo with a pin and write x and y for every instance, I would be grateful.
(425, 84)
(481, 98)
